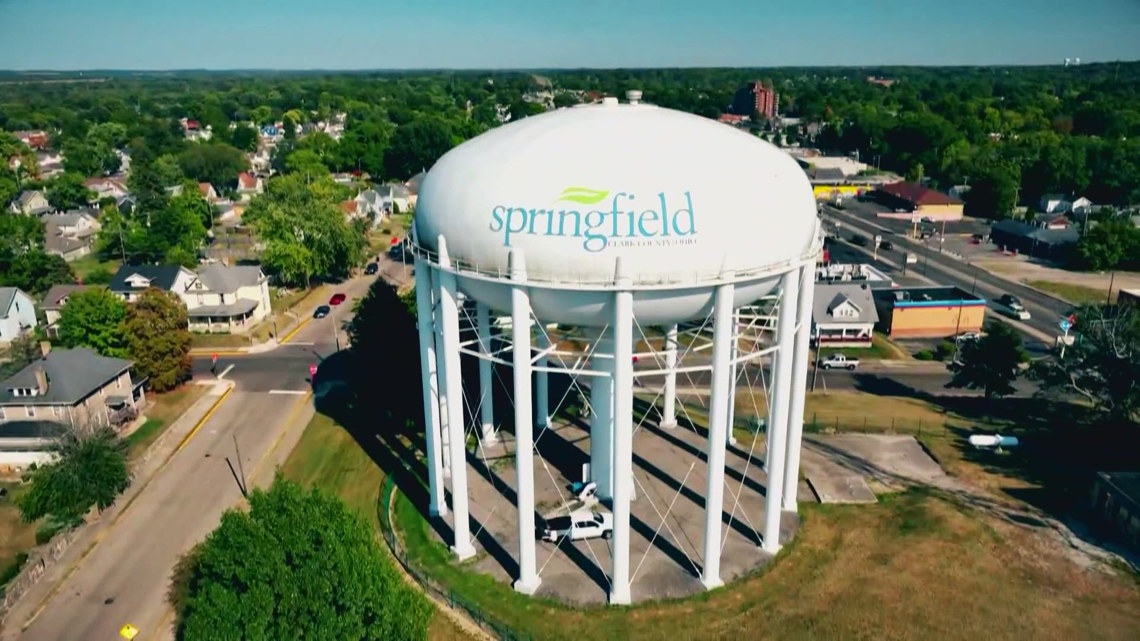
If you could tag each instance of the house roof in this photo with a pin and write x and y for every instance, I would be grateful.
(246, 180)
(67, 219)
(349, 206)
(826, 174)
(7, 296)
(72, 374)
(392, 191)
(160, 276)
(828, 296)
(918, 195)
(60, 245)
(25, 198)
(236, 308)
(227, 279)
(1046, 236)
(55, 297)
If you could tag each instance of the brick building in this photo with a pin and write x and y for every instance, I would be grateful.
(754, 97)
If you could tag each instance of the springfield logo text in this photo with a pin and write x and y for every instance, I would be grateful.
(660, 220)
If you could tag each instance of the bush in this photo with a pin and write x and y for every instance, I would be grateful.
(53, 525)
(944, 351)
(10, 571)
(924, 355)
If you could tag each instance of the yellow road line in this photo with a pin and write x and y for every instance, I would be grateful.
(205, 417)
(102, 534)
(296, 329)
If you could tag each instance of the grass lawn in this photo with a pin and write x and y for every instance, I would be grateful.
(16, 537)
(205, 341)
(881, 349)
(327, 457)
(163, 411)
(1075, 294)
(89, 263)
(913, 566)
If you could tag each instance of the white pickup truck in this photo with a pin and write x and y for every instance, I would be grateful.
(839, 361)
(582, 524)
(1010, 306)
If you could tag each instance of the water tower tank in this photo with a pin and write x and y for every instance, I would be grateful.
(680, 199)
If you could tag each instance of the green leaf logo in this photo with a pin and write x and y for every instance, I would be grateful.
(583, 195)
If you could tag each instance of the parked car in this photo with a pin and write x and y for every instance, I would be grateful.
(337, 299)
(1011, 306)
(966, 337)
(371, 269)
(581, 525)
(322, 311)
(886, 245)
(839, 361)
(858, 239)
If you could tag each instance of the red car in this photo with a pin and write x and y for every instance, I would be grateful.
(337, 299)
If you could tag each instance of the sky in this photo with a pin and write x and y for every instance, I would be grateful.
(484, 34)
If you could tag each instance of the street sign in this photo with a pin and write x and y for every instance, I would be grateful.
(1065, 325)
(312, 370)
(129, 632)
(878, 239)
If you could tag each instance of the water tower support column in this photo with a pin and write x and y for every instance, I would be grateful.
(601, 420)
(734, 353)
(453, 389)
(542, 380)
(487, 433)
(437, 506)
(441, 377)
(799, 388)
(622, 438)
(790, 285)
(669, 412)
(528, 580)
(721, 397)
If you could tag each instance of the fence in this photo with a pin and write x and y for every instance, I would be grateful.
(441, 593)
(876, 425)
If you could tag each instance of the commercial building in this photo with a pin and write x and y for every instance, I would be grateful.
(843, 314)
(911, 201)
(1031, 240)
(857, 273)
(928, 312)
(754, 97)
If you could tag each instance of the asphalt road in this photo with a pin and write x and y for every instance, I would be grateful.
(125, 577)
(1046, 311)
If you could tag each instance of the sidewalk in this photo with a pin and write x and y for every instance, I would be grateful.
(21, 605)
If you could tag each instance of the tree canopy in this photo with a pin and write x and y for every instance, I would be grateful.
(91, 472)
(157, 338)
(298, 565)
(94, 318)
(991, 363)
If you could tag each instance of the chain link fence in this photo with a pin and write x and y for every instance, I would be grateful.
(824, 424)
(483, 619)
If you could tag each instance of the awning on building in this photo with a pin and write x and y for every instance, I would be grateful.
(239, 308)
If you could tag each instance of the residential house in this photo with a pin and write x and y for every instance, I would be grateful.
(106, 188)
(17, 313)
(843, 314)
(132, 280)
(249, 185)
(352, 209)
(1031, 240)
(1052, 221)
(38, 139)
(227, 298)
(75, 387)
(70, 235)
(53, 303)
(260, 161)
(125, 204)
(208, 192)
(395, 197)
(1055, 204)
(1082, 206)
(32, 203)
(413, 184)
(49, 164)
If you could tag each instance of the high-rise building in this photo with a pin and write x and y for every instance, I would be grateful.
(754, 97)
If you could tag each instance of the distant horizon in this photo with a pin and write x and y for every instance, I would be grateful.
(1082, 63)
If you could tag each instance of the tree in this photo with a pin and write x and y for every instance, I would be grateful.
(416, 146)
(1109, 244)
(94, 318)
(35, 272)
(68, 192)
(993, 195)
(991, 363)
(91, 471)
(244, 137)
(306, 163)
(298, 565)
(158, 339)
(304, 230)
(214, 163)
(22, 351)
(1102, 365)
(20, 233)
